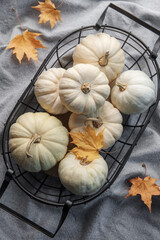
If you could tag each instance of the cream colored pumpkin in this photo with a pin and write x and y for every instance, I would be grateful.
(134, 92)
(38, 141)
(83, 88)
(107, 118)
(102, 51)
(82, 179)
(47, 91)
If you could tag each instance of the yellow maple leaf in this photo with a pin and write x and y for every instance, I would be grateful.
(26, 44)
(145, 187)
(88, 144)
(48, 12)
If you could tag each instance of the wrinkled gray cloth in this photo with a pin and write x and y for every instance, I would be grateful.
(110, 216)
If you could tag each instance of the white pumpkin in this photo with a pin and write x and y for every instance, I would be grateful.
(82, 179)
(107, 118)
(47, 91)
(134, 92)
(38, 141)
(102, 51)
(83, 88)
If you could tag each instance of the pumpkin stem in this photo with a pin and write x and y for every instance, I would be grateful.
(86, 87)
(34, 139)
(97, 122)
(122, 87)
(84, 161)
(103, 61)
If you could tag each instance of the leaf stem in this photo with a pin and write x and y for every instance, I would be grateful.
(18, 19)
(102, 151)
(144, 165)
(60, 4)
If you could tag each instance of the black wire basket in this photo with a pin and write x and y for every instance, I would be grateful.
(41, 186)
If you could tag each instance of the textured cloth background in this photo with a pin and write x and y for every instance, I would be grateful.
(110, 216)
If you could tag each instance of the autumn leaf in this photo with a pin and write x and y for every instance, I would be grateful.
(88, 144)
(48, 12)
(26, 44)
(146, 187)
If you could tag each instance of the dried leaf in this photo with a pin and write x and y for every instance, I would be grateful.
(145, 187)
(88, 144)
(48, 12)
(26, 44)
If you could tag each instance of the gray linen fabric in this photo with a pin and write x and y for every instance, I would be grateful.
(110, 216)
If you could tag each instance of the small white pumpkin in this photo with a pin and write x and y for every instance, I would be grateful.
(38, 141)
(102, 51)
(47, 91)
(134, 92)
(107, 118)
(82, 179)
(83, 88)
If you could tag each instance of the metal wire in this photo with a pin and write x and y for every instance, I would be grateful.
(47, 189)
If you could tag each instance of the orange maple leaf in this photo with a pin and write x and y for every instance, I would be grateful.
(145, 187)
(88, 144)
(48, 12)
(26, 44)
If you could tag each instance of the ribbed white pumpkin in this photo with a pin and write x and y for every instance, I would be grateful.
(82, 179)
(47, 91)
(134, 92)
(38, 141)
(107, 118)
(102, 51)
(83, 88)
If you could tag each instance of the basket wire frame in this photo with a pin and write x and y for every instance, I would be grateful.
(47, 189)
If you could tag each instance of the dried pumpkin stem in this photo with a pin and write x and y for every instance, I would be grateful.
(92, 119)
(84, 161)
(97, 122)
(34, 139)
(103, 61)
(85, 88)
(122, 87)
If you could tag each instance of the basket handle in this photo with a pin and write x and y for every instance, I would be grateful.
(99, 23)
(66, 208)
(127, 14)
